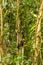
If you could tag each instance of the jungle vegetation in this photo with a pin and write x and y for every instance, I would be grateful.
(21, 32)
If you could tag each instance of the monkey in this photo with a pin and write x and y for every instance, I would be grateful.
(38, 36)
(21, 38)
(22, 32)
(21, 44)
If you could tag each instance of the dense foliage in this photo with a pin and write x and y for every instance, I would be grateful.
(28, 12)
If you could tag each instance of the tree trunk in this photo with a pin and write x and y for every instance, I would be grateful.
(38, 35)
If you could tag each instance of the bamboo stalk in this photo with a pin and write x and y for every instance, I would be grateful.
(1, 35)
(19, 35)
(17, 23)
(38, 35)
(22, 54)
(18, 28)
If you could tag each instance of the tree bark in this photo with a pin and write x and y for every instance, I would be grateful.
(38, 35)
